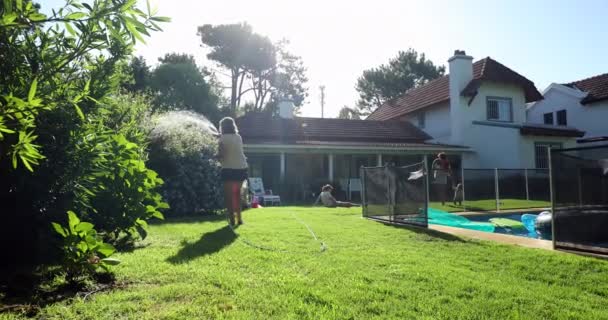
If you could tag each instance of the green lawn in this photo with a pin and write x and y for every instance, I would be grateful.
(490, 205)
(198, 269)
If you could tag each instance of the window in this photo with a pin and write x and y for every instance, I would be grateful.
(562, 118)
(549, 118)
(421, 119)
(499, 109)
(541, 153)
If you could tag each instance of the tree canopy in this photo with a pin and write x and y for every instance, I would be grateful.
(407, 70)
(349, 113)
(178, 84)
(257, 66)
(138, 74)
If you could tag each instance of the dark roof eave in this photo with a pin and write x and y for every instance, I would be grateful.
(589, 100)
(356, 145)
(530, 92)
(536, 131)
(335, 139)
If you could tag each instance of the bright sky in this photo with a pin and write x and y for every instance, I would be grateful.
(544, 40)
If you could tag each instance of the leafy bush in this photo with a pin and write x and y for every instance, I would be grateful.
(116, 192)
(182, 151)
(84, 251)
(55, 71)
(110, 184)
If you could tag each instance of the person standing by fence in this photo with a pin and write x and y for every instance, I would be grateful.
(441, 171)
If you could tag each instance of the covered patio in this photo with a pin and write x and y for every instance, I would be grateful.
(295, 157)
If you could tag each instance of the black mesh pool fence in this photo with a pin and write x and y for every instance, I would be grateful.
(580, 198)
(396, 194)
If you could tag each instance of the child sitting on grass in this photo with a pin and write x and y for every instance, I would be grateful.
(329, 201)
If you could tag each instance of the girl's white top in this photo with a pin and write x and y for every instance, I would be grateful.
(327, 199)
(232, 156)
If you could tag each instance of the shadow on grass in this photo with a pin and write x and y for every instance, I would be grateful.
(190, 219)
(26, 292)
(209, 243)
(423, 231)
(430, 232)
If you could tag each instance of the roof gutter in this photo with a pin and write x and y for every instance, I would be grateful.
(359, 149)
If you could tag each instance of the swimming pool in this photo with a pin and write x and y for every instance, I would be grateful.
(521, 232)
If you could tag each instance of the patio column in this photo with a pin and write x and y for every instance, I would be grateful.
(425, 159)
(379, 159)
(282, 175)
(331, 167)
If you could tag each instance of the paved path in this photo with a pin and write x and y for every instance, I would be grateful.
(506, 212)
(498, 237)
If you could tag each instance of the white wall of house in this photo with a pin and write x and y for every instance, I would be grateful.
(478, 108)
(464, 121)
(495, 146)
(499, 144)
(528, 147)
(436, 121)
(591, 118)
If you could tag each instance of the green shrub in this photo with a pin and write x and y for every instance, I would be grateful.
(182, 151)
(84, 251)
(56, 73)
(117, 193)
(114, 189)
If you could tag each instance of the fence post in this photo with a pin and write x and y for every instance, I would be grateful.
(426, 182)
(552, 197)
(391, 205)
(464, 205)
(496, 189)
(580, 189)
(527, 190)
(427, 179)
(363, 188)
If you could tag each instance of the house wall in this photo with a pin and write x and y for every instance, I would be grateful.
(496, 147)
(478, 111)
(437, 121)
(591, 118)
(527, 147)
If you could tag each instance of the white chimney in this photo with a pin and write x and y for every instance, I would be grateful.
(461, 73)
(286, 109)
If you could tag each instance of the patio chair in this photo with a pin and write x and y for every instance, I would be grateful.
(354, 185)
(256, 187)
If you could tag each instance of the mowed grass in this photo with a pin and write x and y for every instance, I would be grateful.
(490, 205)
(198, 269)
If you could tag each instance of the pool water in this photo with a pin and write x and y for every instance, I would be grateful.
(514, 232)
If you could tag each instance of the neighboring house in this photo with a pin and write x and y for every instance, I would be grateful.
(297, 155)
(581, 104)
(480, 105)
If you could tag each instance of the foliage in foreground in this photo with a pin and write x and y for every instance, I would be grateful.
(182, 151)
(84, 251)
(61, 146)
(196, 268)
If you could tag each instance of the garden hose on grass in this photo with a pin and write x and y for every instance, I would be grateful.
(322, 249)
(323, 246)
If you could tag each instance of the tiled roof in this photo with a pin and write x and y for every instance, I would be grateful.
(437, 91)
(549, 130)
(596, 88)
(264, 127)
(432, 93)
